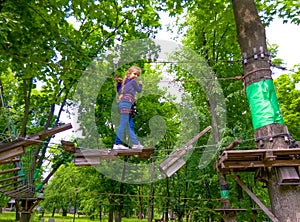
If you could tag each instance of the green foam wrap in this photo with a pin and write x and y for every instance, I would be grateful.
(224, 193)
(263, 102)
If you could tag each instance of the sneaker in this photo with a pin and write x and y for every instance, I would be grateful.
(120, 147)
(137, 146)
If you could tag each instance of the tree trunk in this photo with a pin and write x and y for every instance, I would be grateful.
(284, 200)
(53, 212)
(166, 213)
(65, 212)
(117, 216)
(140, 197)
(111, 215)
(151, 198)
(25, 217)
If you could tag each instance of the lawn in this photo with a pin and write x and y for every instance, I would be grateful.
(10, 217)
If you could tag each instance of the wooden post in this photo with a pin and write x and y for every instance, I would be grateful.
(256, 200)
(269, 132)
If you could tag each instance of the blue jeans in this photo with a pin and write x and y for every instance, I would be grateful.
(126, 122)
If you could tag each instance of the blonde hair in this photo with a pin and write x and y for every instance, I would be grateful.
(133, 69)
(128, 73)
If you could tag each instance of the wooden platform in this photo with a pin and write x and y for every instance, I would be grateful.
(93, 157)
(12, 182)
(251, 160)
(16, 148)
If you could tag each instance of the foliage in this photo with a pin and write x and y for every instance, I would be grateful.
(288, 10)
(288, 95)
(46, 46)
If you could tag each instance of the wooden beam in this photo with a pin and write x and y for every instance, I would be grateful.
(92, 157)
(55, 130)
(68, 146)
(12, 178)
(287, 175)
(249, 160)
(9, 184)
(249, 166)
(234, 144)
(8, 161)
(146, 153)
(254, 198)
(10, 170)
(174, 162)
(34, 139)
(15, 190)
(11, 153)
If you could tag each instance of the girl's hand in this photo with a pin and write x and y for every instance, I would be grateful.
(140, 82)
(119, 79)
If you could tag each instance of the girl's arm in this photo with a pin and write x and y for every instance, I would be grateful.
(137, 86)
(119, 86)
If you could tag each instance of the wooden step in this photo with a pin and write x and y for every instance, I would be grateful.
(10, 170)
(9, 184)
(11, 153)
(92, 157)
(12, 178)
(12, 160)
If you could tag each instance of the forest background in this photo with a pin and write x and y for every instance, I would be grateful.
(38, 45)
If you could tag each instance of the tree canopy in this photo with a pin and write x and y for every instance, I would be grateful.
(47, 46)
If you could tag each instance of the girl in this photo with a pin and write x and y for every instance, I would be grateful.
(127, 90)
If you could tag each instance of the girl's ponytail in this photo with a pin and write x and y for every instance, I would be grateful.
(122, 89)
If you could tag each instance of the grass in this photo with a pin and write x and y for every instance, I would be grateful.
(10, 217)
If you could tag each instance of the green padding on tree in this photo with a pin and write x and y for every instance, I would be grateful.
(224, 193)
(36, 173)
(20, 173)
(263, 103)
(38, 187)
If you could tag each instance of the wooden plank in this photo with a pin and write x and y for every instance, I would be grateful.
(87, 162)
(8, 161)
(92, 157)
(260, 152)
(239, 166)
(15, 190)
(256, 200)
(9, 184)
(12, 178)
(68, 146)
(9, 154)
(287, 175)
(10, 170)
(92, 161)
(171, 159)
(283, 152)
(253, 156)
(113, 152)
(174, 167)
(34, 139)
(129, 152)
(26, 193)
(55, 130)
(236, 142)
(146, 153)
(90, 152)
(167, 167)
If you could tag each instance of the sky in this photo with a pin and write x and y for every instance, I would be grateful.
(286, 36)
